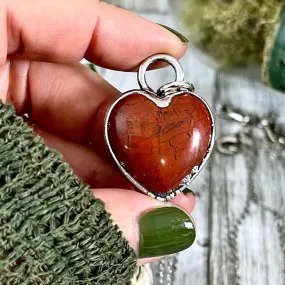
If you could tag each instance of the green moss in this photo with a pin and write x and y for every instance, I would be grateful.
(232, 31)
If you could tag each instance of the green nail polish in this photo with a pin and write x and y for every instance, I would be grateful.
(179, 35)
(165, 231)
(92, 67)
(188, 191)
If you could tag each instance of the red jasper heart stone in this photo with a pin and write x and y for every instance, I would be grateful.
(158, 146)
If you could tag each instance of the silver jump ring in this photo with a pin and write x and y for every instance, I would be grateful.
(179, 73)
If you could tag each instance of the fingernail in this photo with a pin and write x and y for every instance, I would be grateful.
(92, 67)
(182, 38)
(165, 231)
(188, 191)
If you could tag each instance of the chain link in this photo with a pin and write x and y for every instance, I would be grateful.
(256, 132)
(166, 270)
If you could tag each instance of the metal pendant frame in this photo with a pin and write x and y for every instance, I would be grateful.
(162, 98)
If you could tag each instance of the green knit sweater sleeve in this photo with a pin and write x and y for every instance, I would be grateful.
(52, 229)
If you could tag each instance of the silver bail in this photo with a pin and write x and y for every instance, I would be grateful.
(167, 89)
(179, 72)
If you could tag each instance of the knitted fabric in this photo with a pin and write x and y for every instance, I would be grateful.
(52, 229)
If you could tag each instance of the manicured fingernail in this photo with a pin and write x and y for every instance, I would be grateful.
(188, 191)
(92, 67)
(165, 231)
(182, 38)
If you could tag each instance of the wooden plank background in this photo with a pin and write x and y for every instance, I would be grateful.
(240, 199)
(145, 6)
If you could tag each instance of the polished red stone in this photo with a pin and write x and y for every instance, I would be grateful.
(159, 146)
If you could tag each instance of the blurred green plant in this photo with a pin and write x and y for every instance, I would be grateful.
(235, 32)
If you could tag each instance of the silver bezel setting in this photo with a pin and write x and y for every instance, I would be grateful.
(162, 103)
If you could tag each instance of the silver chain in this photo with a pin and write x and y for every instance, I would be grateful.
(257, 131)
(166, 270)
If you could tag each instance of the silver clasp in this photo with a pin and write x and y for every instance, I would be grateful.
(255, 130)
(228, 112)
(229, 145)
(267, 124)
(235, 143)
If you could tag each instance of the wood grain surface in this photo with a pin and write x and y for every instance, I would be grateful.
(240, 199)
(152, 6)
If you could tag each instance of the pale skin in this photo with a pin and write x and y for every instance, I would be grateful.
(41, 43)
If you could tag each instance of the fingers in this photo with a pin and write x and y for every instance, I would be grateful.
(185, 201)
(95, 171)
(3, 32)
(4, 80)
(141, 219)
(68, 30)
(70, 100)
(87, 164)
(153, 228)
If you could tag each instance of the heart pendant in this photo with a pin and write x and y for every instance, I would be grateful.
(160, 140)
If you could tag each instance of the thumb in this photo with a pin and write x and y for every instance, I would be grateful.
(153, 228)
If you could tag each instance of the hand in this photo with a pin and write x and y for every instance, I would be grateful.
(41, 45)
